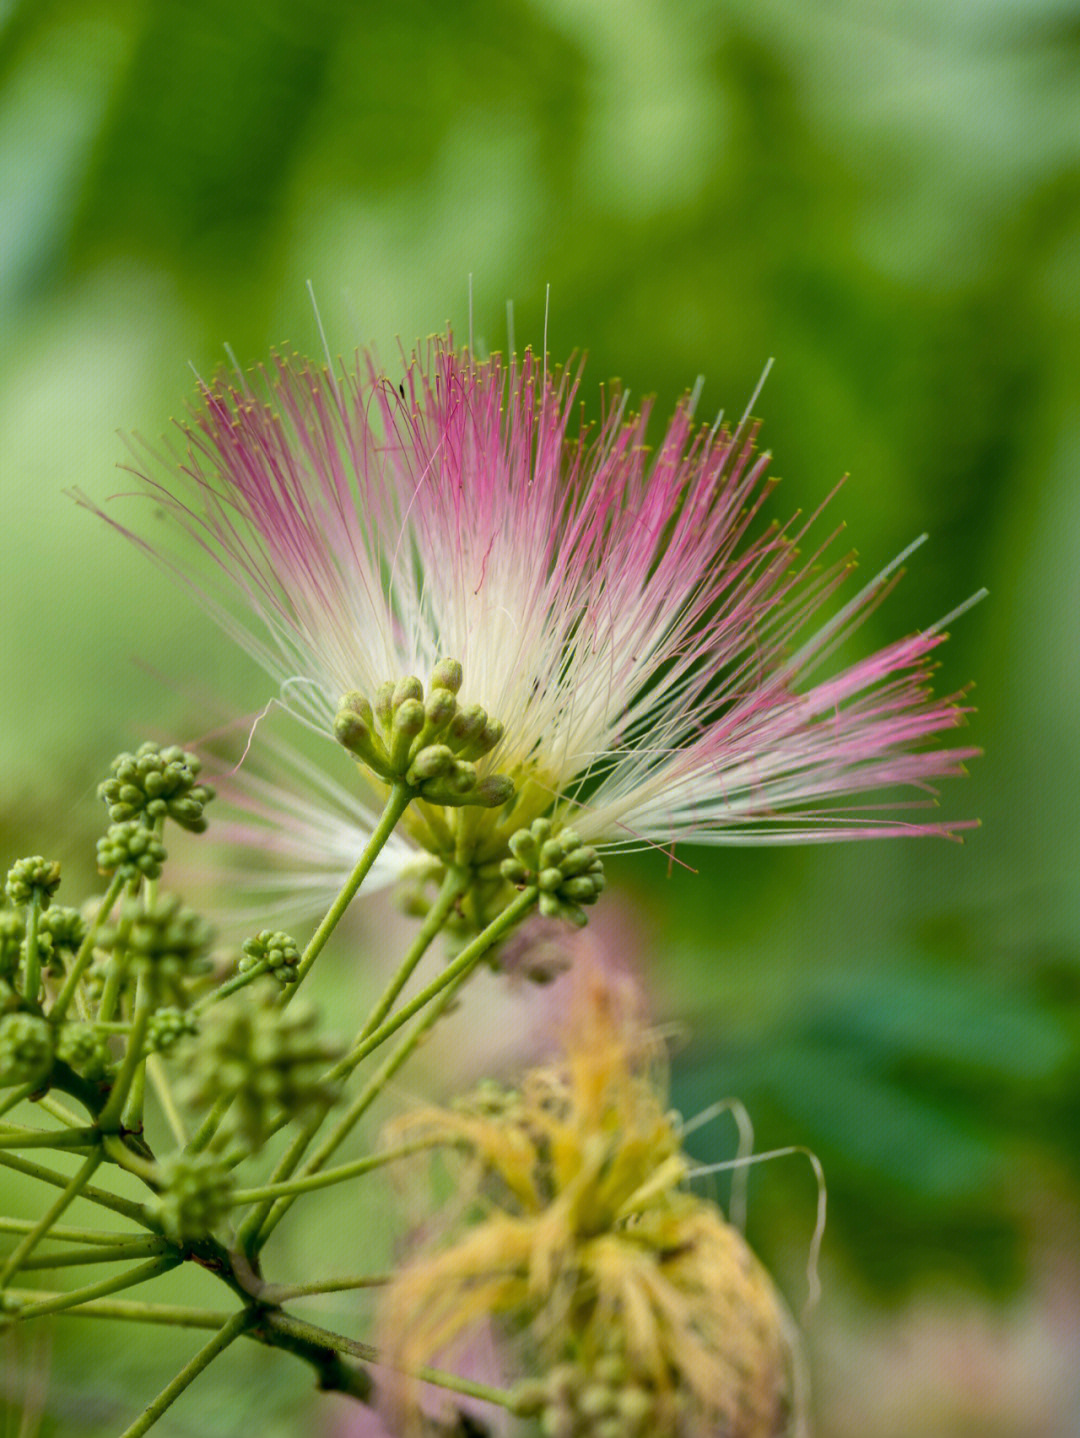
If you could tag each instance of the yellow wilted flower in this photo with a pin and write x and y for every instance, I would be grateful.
(640, 1310)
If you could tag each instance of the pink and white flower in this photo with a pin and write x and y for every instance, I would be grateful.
(651, 647)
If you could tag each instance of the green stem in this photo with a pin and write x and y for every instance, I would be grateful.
(32, 970)
(59, 1301)
(328, 1177)
(459, 969)
(74, 1186)
(50, 1138)
(258, 1225)
(399, 799)
(160, 1080)
(239, 981)
(289, 1292)
(85, 955)
(174, 1314)
(138, 1248)
(209, 1126)
(190, 1371)
(71, 1235)
(110, 1116)
(288, 1323)
(15, 1098)
(453, 885)
(59, 1110)
(123, 1206)
(351, 1117)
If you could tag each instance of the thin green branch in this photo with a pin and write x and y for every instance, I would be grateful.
(453, 886)
(290, 1292)
(190, 1371)
(32, 962)
(59, 1110)
(253, 1227)
(351, 1117)
(15, 1098)
(160, 1080)
(61, 1301)
(398, 800)
(174, 1315)
(328, 1177)
(465, 962)
(71, 1235)
(85, 955)
(118, 1253)
(74, 1186)
(49, 1138)
(135, 1053)
(123, 1206)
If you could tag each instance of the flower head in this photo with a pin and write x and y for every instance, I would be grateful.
(639, 1309)
(644, 647)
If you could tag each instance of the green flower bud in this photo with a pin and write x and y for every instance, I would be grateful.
(85, 1050)
(131, 848)
(433, 762)
(154, 783)
(196, 1193)
(273, 950)
(26, 1049)
(35, 875)
(447, 674)
(167, 1027)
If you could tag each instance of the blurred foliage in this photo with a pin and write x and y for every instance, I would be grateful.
(886, 198)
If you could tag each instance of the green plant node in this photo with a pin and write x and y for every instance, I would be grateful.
(31, 876)
(132, 849)
(26, 1049)
(276, 952)
(155, 783)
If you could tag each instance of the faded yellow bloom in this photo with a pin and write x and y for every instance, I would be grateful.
(635, 1307)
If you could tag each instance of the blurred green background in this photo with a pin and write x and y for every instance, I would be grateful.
(884, 197)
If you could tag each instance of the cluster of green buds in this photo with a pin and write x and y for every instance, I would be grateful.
(131, 849)
(431, 744)
(33, 878)
(84, 1049)
(167, 1026)
(155, 783)
(269, 1061)
(567, 872)
(271, 952)
(602, 1399)
(26, 1049)
(195, 1195)
(164, 936)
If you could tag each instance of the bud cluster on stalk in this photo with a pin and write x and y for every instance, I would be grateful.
(432, 744)
(567, 872)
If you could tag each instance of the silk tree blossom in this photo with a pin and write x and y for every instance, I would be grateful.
(650, 645)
